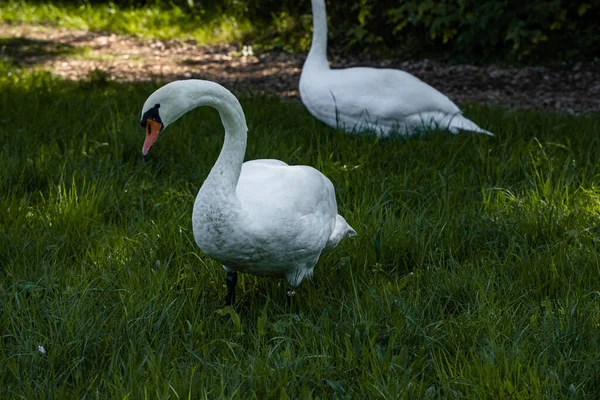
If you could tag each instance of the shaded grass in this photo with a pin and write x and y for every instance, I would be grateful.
(475, 272)
(149, 21)
(26, 52)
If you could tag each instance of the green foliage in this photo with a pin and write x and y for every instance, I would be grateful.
(475, 273)
(534, 30)
(286, 32)
(472, 30)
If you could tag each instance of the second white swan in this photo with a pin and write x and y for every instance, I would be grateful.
(262, 217)
(383, 101)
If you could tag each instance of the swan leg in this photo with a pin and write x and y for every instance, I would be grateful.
(231, 281)
(295, 278)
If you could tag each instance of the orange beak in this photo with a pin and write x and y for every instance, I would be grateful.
(153, 128)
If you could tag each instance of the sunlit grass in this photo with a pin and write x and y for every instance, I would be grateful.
(148, 21)
(475, 273)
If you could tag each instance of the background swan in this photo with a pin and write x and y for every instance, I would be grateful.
(385, 101)
(262, 217)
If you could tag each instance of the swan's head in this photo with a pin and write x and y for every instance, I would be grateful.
(162, 108)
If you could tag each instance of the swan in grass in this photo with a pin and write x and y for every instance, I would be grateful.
(384, 101)
(261, 217)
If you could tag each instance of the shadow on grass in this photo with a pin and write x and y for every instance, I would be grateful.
(28, 52)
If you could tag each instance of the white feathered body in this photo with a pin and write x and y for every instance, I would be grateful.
(284, 219)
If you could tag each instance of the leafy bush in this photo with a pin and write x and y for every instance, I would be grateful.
(518, 29)
(475, 30)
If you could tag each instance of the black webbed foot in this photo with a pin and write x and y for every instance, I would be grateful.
(231, 281)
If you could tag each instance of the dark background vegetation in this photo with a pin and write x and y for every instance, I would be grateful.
(530, 31)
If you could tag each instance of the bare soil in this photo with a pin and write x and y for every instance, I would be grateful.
(76, 54)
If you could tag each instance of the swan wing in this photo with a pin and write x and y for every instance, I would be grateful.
(294, 206)
(275, 185)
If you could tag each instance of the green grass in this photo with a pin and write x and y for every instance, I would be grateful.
(149, 21)
(475, 274)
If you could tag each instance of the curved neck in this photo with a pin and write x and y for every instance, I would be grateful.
(317, 56)
(223, 178)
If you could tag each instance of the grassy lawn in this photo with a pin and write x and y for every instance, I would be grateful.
(476, 271)
(149, 21)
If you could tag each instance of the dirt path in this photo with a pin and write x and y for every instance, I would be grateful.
(74, 54)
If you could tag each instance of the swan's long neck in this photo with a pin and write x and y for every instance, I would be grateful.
(224, 176)
(317, 56)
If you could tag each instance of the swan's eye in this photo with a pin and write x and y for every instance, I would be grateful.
(151, 115)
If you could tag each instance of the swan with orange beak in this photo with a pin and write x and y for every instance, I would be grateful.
(261, 217)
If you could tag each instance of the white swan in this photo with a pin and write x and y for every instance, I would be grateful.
(384, 101)
(262, 217)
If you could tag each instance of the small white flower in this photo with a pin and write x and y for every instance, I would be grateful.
(247, 51)
(41, 349)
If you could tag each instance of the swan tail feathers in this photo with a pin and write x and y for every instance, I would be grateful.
(350, 232)
(460, 123)
(341, 230)
(344, 227)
